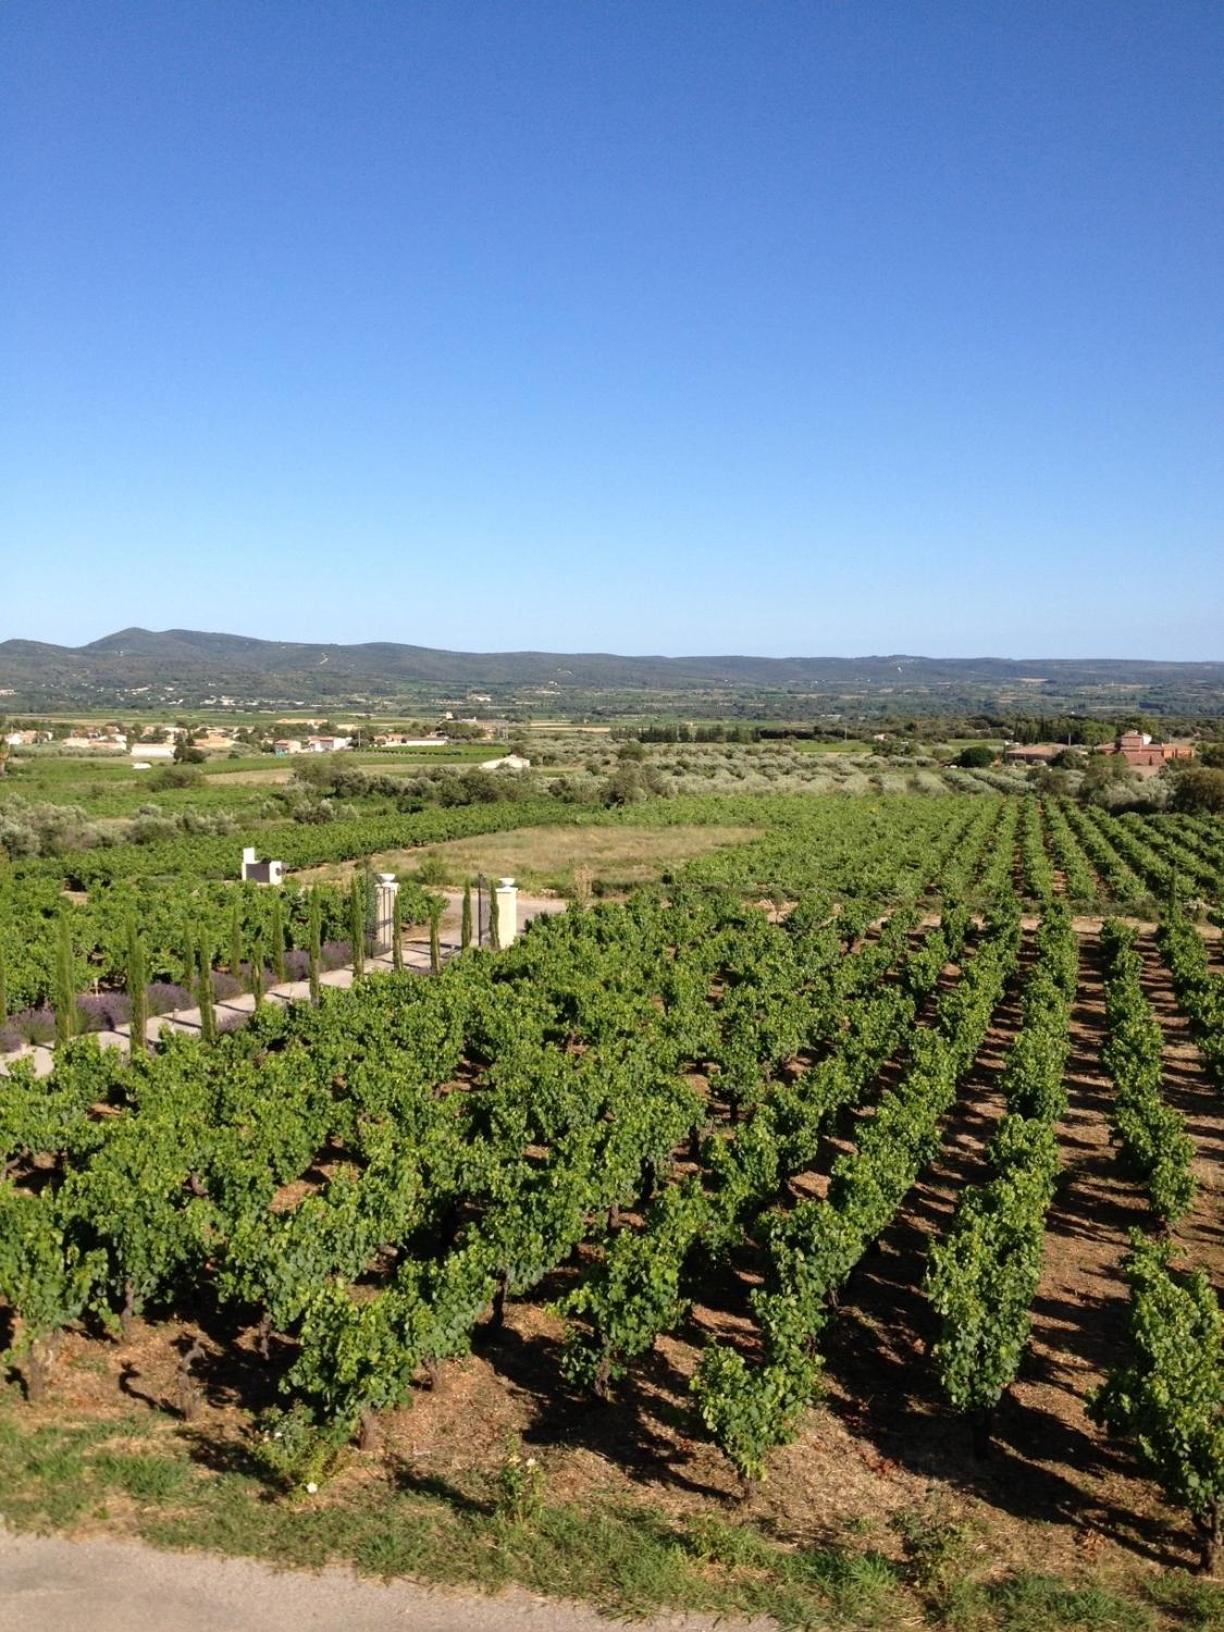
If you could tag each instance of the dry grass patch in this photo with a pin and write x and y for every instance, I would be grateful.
(544, 858)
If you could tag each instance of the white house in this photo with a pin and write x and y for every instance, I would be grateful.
(508, 762)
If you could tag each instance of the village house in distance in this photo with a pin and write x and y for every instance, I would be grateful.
(1142, 752)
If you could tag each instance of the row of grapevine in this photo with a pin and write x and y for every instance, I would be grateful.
(1166, 1395)
(1123, 883)
(1081, 885)
(1151, 1133)
(1038, 872)
(1199, 990)
(983, 1274)
(631, 1294)
(749, 1407)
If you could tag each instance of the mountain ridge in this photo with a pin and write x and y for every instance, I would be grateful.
(194, 663)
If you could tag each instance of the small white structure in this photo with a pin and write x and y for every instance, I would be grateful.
(261, 872)
(386, 890)
(152, 750)
(508, 762)
(505, 905)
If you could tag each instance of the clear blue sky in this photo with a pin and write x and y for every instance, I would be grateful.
(836, 326)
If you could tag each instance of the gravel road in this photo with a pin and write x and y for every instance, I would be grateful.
(49, 1584)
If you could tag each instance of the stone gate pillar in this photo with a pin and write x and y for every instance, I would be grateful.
(505, 905)
(386, 890)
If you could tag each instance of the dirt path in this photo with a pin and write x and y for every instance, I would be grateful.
(48, 1584)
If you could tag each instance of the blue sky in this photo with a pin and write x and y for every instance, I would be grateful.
(832, 327)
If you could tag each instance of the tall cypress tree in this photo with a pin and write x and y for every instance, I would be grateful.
(357, 926)
(278, 938)
(494, 926)
(465, 927)
(65, 982)
(316, 945)
(257, 967)
(397, 934)
(235, 946)
(208, 1013)
(137, 985)
(435, 946)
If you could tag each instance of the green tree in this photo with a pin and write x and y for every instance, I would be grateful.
(278, 938)
(1200, 791)
(315, 954)
(397, 934)
(435, 945)
(65, 982)
(357, 925)
(465, 929)
(257, 967)
(137, 989)
(208, 1013)
(235, 940)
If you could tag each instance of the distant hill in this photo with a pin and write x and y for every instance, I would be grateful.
(136, 666)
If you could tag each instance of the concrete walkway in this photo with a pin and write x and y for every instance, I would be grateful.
(49, 1584)
(237, 1010)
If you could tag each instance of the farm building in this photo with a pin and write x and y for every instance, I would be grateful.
(1032, 753)
(1143, 751)
(508, 762)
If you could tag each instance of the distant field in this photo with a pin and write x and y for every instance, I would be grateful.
(544, 858)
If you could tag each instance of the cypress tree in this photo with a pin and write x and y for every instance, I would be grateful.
(435, 947)
(278, 939)
(494, 926)
(208, 1012)
(257, 968)
(357, 926)
(65, 982)
(316, 946)
(465, 928)
(235, 946)
(137, 985)
(397, 934)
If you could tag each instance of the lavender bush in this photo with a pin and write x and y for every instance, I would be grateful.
(33, 1025)
(163, 996)
(103, 1011)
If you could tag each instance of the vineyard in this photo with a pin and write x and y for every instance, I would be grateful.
(176, 893)
(848, 1161)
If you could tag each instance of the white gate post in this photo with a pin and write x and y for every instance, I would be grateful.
(505, 899)
(384, 910)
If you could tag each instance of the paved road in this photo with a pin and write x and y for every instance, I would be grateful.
(48, 1584)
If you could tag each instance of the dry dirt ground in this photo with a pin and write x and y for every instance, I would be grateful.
(545, 857)
(880, 1445)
